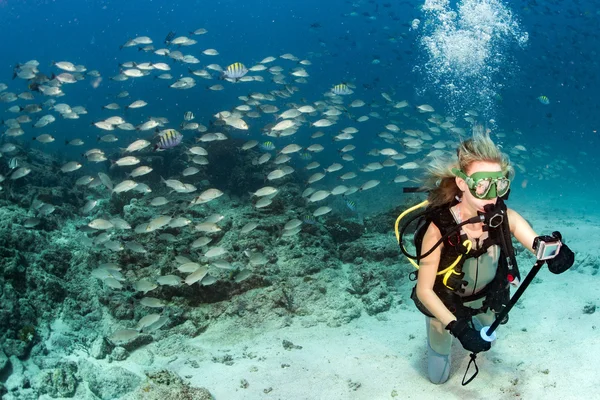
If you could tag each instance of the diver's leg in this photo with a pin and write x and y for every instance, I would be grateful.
(439, 344)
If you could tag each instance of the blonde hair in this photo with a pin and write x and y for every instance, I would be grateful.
(440, 182)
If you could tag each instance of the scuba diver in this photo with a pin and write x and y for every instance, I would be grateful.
(465, 259)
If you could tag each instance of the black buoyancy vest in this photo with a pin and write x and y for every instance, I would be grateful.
(497, 292)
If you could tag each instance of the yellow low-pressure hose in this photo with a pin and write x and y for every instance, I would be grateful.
(422, 204)
(446, 271)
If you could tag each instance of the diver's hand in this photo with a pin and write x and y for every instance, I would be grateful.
(468, 336)
(563, 260)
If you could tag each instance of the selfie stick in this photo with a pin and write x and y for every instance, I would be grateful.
(487, 332)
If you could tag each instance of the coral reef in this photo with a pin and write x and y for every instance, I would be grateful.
(110, 383)
(53, 307)
(298, 280)
(61, 381)
(343, 231)
(233, 168)
(164, 384)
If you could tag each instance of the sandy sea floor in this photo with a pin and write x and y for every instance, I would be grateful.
(547, 350)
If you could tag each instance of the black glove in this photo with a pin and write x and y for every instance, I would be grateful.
(469, 337)
(563, 260)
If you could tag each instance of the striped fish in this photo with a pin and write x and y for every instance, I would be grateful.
(235, 71)
(309, 219)
(351, 204)
(341, 89)
(306, 156)
(188, 116)
(267, 146)
(167, 139)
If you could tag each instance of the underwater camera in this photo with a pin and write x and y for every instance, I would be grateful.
(546, 247)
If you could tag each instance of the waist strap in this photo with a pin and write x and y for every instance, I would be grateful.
(476, 296)
(454, 302)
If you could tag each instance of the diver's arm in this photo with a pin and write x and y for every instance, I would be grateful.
(428, 268)
(521, 229)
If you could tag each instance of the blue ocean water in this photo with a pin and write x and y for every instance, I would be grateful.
(556, 61)
(494, 57)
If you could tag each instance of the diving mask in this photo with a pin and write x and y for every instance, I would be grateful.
(484, 184)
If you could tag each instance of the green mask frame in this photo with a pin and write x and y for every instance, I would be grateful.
(485, 184)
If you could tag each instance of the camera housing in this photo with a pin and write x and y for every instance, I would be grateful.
(546, 247)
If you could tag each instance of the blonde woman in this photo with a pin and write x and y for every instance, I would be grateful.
(475, 286)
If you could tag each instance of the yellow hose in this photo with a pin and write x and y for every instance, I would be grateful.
(422, 204)
(447, 271)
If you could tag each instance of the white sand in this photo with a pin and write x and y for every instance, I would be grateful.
(554, 359)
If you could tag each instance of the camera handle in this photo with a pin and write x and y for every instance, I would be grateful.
(487, 332)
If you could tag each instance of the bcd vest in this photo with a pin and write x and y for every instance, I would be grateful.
(496, 293)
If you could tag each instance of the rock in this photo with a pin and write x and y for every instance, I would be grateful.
(188, 328)
(17, 379)
(24, 394)
(343, 231)
(121, 310)
(377, 301)
(289, 345)
(142, 357)
(99, 348)
(589, 308)
(119, 354)
(47, 360)
(175, 344)
(164, 377)
(154, 392)
(137, 342)
(3, 361)
(165, 384)
(55, 260)
(226, 359)
(19, 348)
(111, 383)
(59, 382)
(58, 340)
(371, 282)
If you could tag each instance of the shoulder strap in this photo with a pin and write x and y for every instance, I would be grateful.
(442, 218)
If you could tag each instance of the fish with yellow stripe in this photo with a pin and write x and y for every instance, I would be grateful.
(235, 71)
(167, 139)
(341, 89)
